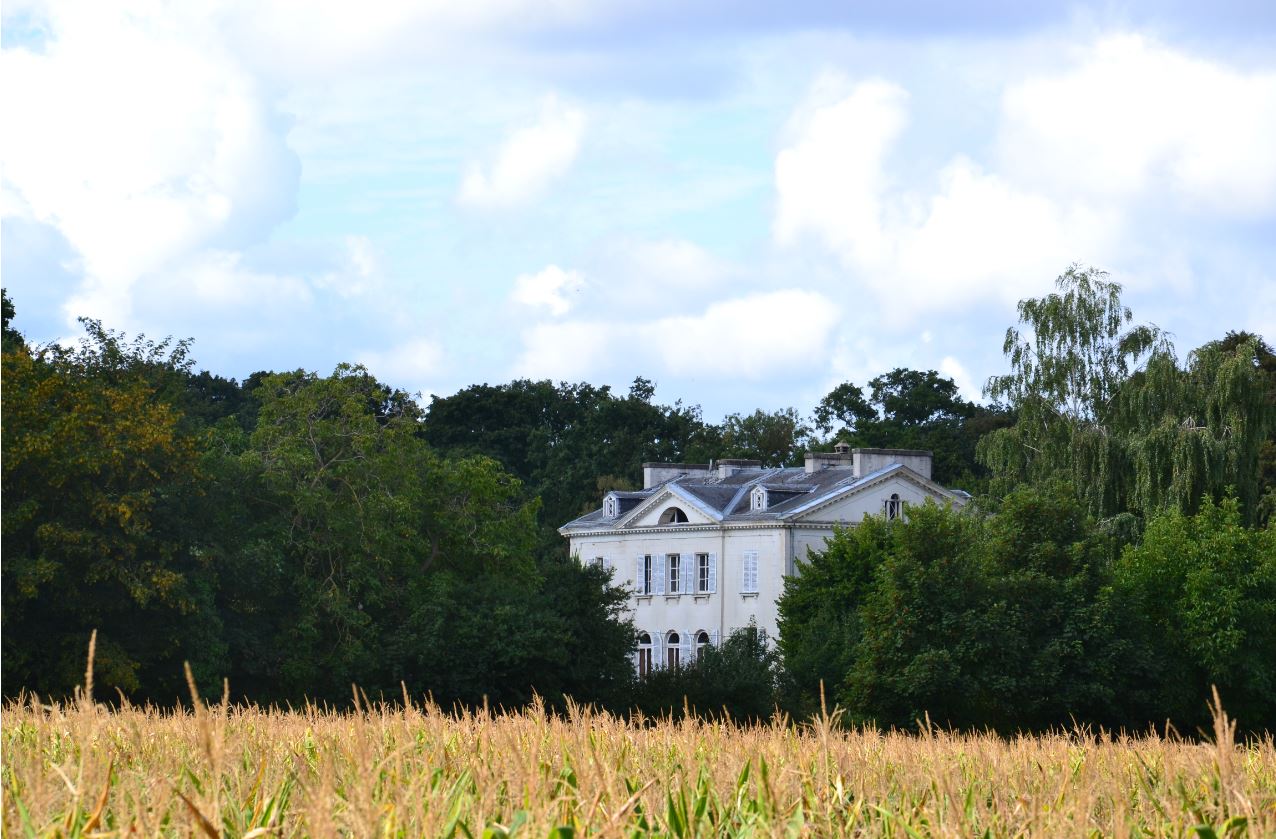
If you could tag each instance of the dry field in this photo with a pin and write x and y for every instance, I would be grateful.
(82, 770)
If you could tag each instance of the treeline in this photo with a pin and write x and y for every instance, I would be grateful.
(1120, 565)
(298, 533)
(294, 533)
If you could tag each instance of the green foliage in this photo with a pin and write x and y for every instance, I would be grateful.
(819, 613)
(736, 679)
(1128, 439)
(99, 480)
(777, 438)
(913, 409)
(296, 534)
(558, 440)
(1198, 602)
(12, 338)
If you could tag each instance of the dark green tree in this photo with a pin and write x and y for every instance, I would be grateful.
(777, 438)
(819, 613)
(1197, 598)
(913, 409)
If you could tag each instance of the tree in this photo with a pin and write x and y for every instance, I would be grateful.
(994, 619)
(777, 438)
(1197, 599)
(560, 439)
(1109, 408)
(100, 481)
(12, 338)
(844, 407)
(913, 409)
(819, 613)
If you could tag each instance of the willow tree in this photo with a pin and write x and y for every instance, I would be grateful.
(1107, 405)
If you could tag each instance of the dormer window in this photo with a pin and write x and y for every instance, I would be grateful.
(611, 507)
(674, 515)
(758, 499)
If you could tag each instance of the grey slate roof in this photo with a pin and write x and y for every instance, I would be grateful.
(791, 489)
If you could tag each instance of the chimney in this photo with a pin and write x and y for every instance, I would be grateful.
(729, 466)
(654, 474)
(870, 460)
(839, 458)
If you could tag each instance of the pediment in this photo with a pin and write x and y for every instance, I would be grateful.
(669, 508)
(852, 503)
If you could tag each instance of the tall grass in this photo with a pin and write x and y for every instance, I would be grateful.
(80, 769)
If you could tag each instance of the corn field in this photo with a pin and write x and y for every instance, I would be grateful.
(79, 769)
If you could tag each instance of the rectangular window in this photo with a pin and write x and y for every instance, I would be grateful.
(702, 573)
(749, 572)
(675, 568)
(645, 588)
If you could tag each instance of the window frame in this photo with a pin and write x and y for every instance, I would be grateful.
(673, 650)
(645, 658)
(673, 562)
(702, 573)
(702, 641)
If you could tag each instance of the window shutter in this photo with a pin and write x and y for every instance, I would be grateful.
(638, 575)
(713, 572)
(715, 638)
(659, 573)
(658, 650)
(749, 572)
(686, 643)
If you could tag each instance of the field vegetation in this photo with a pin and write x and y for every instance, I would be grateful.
(412, 769)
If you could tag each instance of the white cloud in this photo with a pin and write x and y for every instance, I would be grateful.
(644, 276)
(359, 272)
(829, 182)
(550, 287)
(955, 370)
(141, 142)
(408, 365)
(1135, 116)
(748, 338)
(220, 279)
(528, 161)
(975, 236)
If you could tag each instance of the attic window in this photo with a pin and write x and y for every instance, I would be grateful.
(893, 506)
(610, 507)
(674, 515)
(758, 499)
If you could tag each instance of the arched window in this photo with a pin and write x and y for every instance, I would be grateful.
(894, 507)
(644, 654)
(702, 641)
(673, 658)
(674, 515)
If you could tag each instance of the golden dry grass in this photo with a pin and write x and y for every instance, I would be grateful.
(80, 769)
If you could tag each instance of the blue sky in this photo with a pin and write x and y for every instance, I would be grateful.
(747, 203)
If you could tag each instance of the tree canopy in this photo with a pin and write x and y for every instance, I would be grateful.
(1109, 408)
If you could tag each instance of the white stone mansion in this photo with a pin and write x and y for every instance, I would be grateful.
(704, 548)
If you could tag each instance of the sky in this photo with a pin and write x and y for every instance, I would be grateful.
(746, 203)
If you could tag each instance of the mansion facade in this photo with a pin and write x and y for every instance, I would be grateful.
(704, 548)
